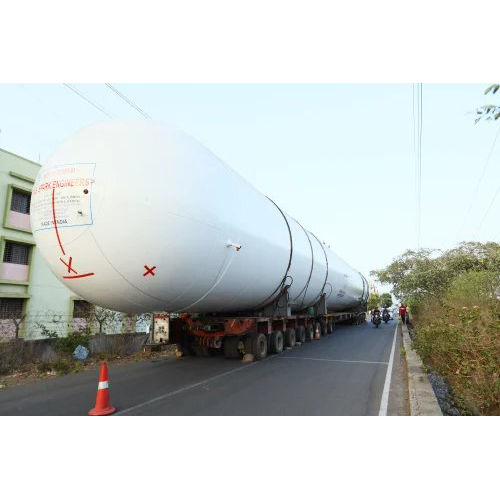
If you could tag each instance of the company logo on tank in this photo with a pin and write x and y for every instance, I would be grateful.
(63, 194)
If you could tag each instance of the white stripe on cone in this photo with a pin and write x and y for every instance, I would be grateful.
(103, 385)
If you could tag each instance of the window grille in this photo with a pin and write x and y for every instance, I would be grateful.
(81, 309)
(16, 253)
(11, 308)
(20, 202)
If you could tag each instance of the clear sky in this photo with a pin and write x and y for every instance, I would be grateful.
(338, 157)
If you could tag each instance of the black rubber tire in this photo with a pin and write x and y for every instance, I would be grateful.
(323, 327)
(231, 347)
(276, 342)
(290, 337)
(300, 334)
(329, 327)
(258, 346)
(309, 332)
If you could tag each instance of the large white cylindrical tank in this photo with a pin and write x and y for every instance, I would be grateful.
(136, 216)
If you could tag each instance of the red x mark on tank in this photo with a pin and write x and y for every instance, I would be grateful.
(149, 270)
(68, 265)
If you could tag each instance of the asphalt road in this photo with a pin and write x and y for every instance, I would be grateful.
(342, 374)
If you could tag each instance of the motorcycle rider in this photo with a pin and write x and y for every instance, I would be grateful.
(385, 313)
(375, 311)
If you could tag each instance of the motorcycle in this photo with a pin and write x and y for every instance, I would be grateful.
(386, 317)
(376, 320)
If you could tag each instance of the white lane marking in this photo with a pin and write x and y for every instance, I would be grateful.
(384, 402)
(103, 385)
(335, 360)
(186, 388)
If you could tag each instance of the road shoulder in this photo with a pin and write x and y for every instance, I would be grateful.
(423, 401)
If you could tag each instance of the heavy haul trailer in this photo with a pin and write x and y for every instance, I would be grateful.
(136, 216)
(258, 335)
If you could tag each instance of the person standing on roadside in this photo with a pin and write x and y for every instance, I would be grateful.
(403, 313)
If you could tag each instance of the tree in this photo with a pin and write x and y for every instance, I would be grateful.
(429, 273)
(103, 317)
(373, 300)
(17, 323)
(489, 111)
(386, 300)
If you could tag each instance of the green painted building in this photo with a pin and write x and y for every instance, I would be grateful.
(32, 299)
(30, 295)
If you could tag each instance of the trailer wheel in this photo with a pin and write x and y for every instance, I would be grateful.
(276, 342)
(256, 344)
(322, 325)
(300, 334)
(231, 347)
(290, 337)
(309, 332)
(329, 327)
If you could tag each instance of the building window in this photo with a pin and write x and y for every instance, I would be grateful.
(11, 308)
(20, 202)
(81, 309)
(16, 253)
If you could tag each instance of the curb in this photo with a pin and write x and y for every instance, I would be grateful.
(423, 401)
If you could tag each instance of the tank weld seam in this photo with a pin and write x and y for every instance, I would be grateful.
(281, 287)
(326, 276)
(217, 281)
(306, 286)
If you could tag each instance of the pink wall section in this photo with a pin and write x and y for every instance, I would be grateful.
(16, 272)
(79, 324)
(17, 219)
(7, 329)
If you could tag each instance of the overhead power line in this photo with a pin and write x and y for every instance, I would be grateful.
(128, 101)
(92, 103)
(490, 206)
(479, 181)
(417, 112)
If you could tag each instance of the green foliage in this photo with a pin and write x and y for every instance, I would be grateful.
(454, 299)
(51, 334)
(416, 275)
(462, 344)
(373, 300)
(77, 366)
(62, 367)
(489, 111)
(72, 341)
(386, 299)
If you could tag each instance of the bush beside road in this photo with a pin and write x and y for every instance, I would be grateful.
(24, 360)
(455, 307)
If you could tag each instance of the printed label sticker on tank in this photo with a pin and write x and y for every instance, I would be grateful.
(62, 198)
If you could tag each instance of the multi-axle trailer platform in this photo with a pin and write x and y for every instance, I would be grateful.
(205, 334)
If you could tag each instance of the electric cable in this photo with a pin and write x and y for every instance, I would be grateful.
(481, 177)
(128, 101)
(78, 93)
(487, 211)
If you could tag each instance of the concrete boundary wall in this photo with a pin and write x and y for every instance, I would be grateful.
(423, 401)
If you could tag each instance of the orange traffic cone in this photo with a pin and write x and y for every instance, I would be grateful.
(102, 406)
